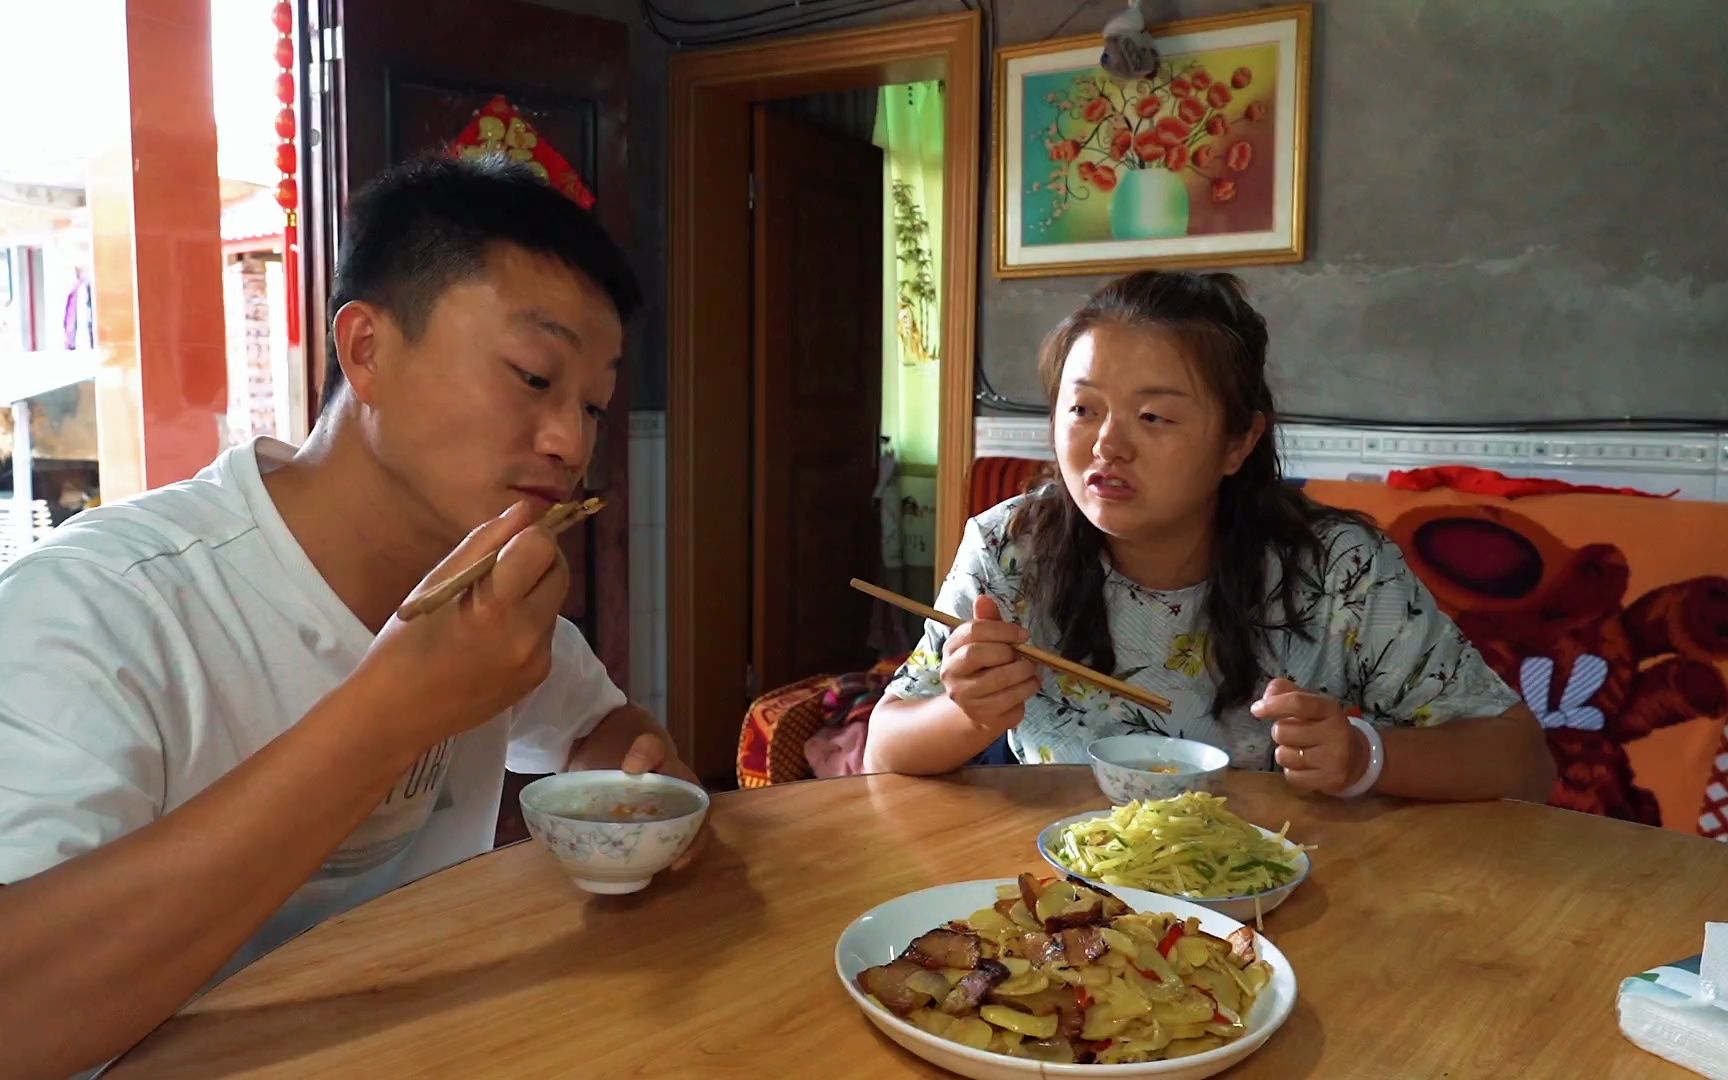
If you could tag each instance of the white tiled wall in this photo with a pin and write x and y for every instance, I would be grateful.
(1693, 463)
(648, 561)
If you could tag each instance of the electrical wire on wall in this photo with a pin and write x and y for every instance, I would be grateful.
(984, 391)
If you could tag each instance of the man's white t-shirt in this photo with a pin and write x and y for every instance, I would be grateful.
(150, 646)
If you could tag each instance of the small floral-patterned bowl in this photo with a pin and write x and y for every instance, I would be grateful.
(611, 830)
(1151, 767)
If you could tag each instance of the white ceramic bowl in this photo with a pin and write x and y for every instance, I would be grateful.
(1242, 907)
(883, 932)
(1118, 766)
(610, 856)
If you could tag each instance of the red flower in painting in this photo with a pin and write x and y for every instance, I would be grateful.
(1095, 136)
(1171, 131)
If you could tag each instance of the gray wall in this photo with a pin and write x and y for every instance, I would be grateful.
(1517, 209)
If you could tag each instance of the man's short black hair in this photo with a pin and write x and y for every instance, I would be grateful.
(423, 226)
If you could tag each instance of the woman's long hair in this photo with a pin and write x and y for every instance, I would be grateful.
(1258, 514)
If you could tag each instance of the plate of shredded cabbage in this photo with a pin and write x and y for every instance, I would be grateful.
(1191, 846)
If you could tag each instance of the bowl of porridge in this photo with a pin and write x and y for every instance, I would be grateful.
(1149, 767)
(610, 830)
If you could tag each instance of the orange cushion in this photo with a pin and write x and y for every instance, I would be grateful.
(771, 745)
(1622, 602)
(995, 479)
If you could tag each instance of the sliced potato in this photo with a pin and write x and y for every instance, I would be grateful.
(1033, 1027)
(1192, 1007)
(971, 1031)
(1190, 952)
(930, 1020)
(1021, 985)
(1188, 1047)
(1222, 987)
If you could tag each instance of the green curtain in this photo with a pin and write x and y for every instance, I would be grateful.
(909, 131)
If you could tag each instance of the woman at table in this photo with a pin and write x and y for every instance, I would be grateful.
(1171, 552)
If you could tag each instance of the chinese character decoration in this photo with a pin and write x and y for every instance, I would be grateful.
(500, 128)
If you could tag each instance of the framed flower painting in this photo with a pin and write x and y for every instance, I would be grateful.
(1199, 163)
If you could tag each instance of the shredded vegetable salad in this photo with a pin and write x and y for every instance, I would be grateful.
(1189, 845)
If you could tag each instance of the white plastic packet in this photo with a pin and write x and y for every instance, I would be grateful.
(1679, 1011)
(1128, 49)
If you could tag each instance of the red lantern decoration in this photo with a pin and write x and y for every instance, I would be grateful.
(288, 163)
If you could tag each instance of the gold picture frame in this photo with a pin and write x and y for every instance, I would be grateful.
(1204, 163)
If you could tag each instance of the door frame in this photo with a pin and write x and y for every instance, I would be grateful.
(709, 355)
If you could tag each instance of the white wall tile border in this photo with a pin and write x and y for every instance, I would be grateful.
(1696, 463)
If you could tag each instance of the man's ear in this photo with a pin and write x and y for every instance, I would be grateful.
(357, 328)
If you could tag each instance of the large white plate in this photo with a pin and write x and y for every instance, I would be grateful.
(883, 932)
(1243, 907)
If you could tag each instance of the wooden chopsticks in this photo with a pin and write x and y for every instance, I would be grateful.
(560, 517)
(1060, 663)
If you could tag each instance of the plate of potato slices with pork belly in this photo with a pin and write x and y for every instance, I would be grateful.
(1057, 977)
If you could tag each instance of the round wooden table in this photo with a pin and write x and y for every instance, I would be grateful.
(1467, 940)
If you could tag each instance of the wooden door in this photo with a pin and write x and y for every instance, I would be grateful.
(406, 77)
(817, 389)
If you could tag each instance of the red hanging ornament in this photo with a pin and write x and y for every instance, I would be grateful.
(288, 163)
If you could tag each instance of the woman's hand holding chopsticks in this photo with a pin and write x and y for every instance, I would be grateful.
(985, 677)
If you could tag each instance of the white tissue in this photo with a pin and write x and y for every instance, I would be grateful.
(1680, 1014)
